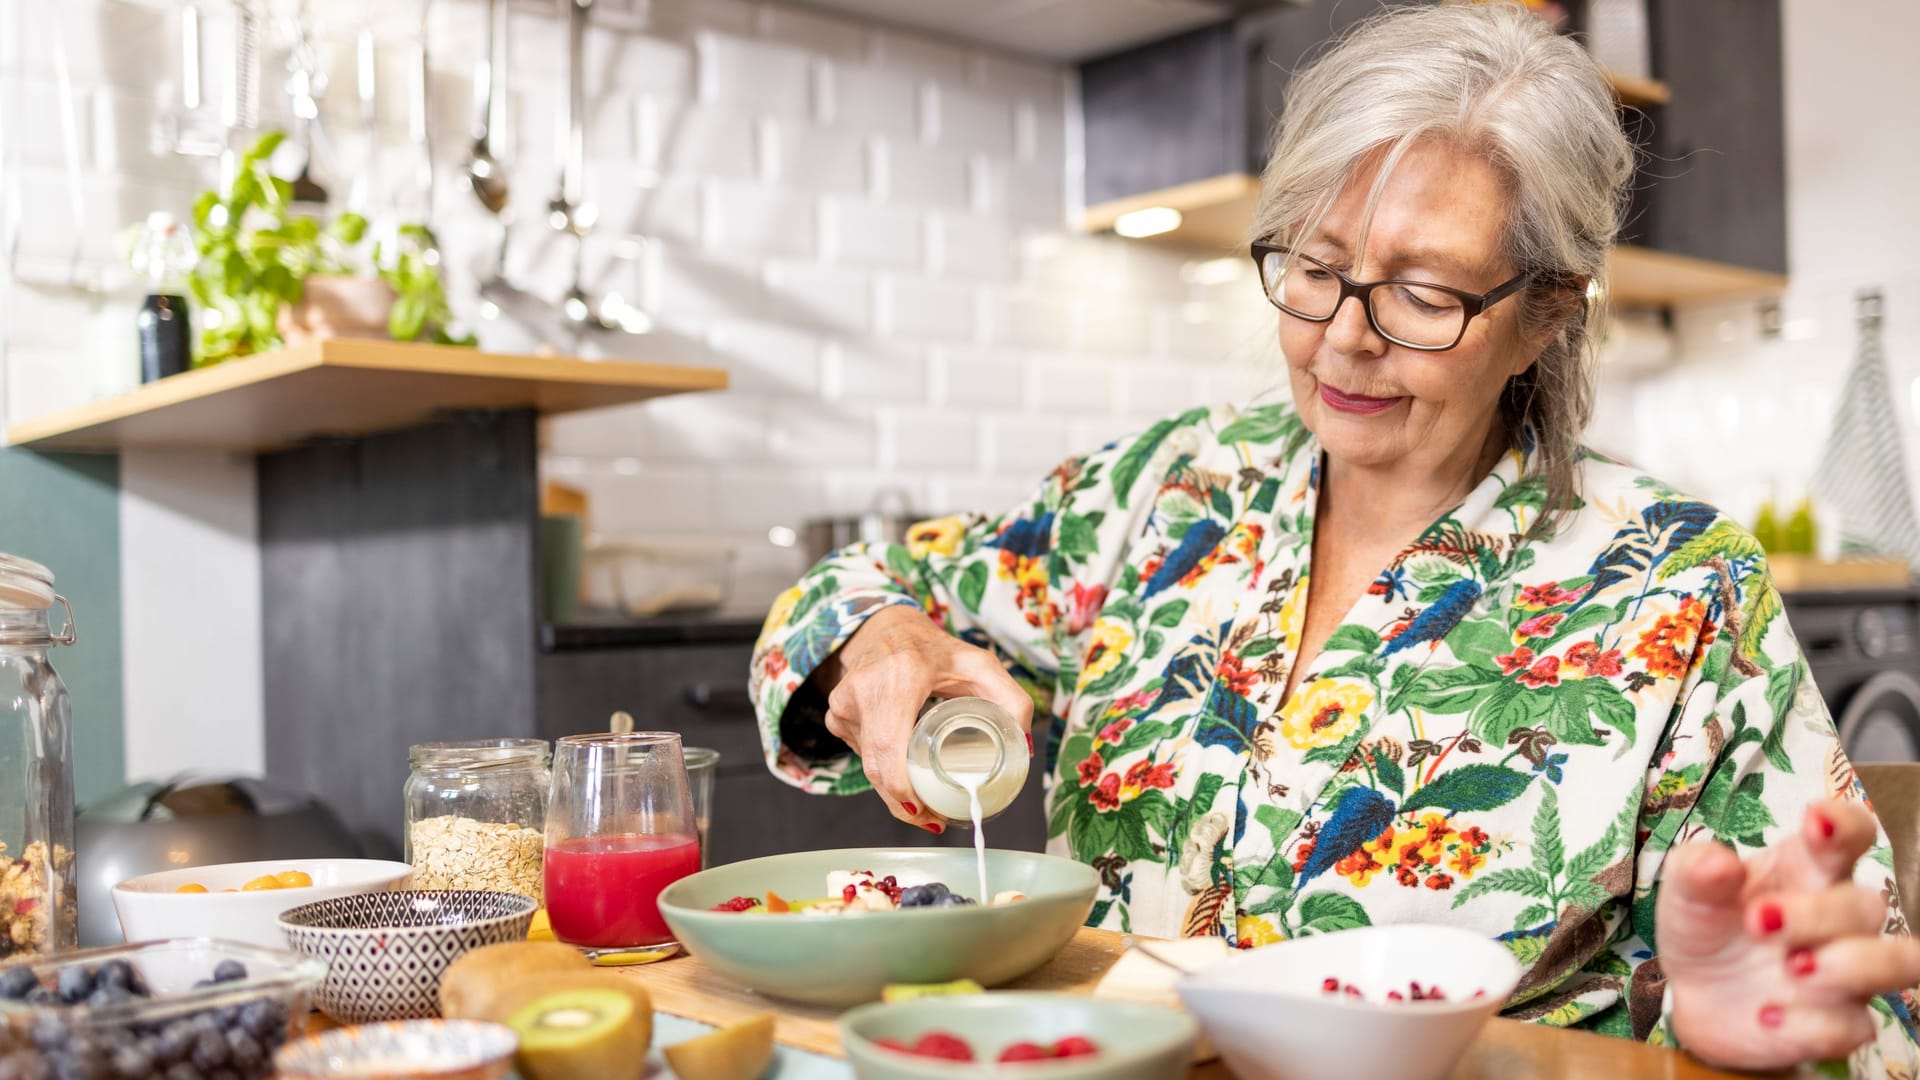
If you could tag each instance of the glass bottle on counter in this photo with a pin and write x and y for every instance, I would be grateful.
(476, 814)
(37, 910)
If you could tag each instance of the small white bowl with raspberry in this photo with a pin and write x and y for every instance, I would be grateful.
(1346, 1005)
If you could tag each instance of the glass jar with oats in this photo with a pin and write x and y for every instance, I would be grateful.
(476, 814)
(37, 912)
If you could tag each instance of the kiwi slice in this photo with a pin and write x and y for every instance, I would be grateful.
(739, 1051)
(579, 1025)
(472, 982)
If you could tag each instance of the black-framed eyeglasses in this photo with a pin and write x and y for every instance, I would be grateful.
(1414, 314)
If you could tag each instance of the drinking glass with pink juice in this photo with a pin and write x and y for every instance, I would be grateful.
(620, 827)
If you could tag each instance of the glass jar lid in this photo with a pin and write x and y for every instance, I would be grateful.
(479, 754)
(25, 584)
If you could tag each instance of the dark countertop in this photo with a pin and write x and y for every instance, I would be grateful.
(1850, 597)
(609, 631)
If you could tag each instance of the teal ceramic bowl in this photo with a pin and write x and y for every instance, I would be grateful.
(1137, 1042)
(847, 959)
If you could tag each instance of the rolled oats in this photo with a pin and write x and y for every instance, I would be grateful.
(453, 852)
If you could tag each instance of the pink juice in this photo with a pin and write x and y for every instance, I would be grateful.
(603, 892)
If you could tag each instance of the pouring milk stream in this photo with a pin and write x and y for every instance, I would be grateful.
(967, 760)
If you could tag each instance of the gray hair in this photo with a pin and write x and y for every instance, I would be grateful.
(1492, 79)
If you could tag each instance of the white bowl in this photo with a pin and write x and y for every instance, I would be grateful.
(150, 909)
(1270, 1017)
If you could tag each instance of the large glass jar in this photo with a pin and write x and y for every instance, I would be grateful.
(37, 912)
(476, 814)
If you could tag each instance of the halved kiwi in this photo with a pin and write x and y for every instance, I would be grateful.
(472, 982)
(576, 1025)
(739, 1051)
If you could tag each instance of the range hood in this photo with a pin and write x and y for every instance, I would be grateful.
(1057, 31)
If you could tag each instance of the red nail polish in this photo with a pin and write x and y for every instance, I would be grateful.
(1771, 920)
(909, 808)
(936, 828)
(1825, 823)
(1029, 745)
(1800, 961)
(1772, 1015)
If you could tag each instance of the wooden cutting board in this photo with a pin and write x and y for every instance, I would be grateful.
(1504, 1049)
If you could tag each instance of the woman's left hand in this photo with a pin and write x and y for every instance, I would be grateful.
(1772, 960)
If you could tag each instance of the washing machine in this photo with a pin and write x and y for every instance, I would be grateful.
(1863, 647)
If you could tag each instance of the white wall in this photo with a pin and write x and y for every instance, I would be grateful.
(190, 614)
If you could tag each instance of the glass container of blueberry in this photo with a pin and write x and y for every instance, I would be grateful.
(171, 1010)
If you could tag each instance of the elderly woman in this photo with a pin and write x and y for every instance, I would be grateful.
(1404, 651)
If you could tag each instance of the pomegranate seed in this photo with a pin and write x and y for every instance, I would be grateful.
(1395, 995)
(1330, 985)
(1075, 1046)
(939, 1044)
(1024, 1051)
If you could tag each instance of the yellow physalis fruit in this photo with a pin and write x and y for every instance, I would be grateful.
(909, 991)
(541, 929)
(293, 879)
(191, 887)
(261, 883)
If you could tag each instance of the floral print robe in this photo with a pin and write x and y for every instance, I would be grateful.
(1506, 733)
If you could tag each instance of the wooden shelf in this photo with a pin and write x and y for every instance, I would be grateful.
(1638, 93)
(1643, 277)
(1216, 214)
(343, 388)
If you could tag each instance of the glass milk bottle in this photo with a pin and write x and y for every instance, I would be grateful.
(967, 749)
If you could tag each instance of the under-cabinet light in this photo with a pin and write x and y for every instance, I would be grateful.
(1152, 221)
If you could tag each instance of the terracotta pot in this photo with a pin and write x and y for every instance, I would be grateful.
(336, 306)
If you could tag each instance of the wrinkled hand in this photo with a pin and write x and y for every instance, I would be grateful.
(884, 673)
(1773, 960)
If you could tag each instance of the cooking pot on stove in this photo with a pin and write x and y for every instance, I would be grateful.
(886, 522)
(194, 821)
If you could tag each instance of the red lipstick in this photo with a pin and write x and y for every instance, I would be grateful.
(1355, 403)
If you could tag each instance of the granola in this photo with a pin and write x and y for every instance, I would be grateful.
(26, 920)
(453, 852)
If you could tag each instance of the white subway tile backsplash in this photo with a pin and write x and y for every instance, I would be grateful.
(1118, 325)
(819, 33)
(980, 378)
(1042, 84)
(928, 308)
(875, 234)
(853, 491)
(1071, 386)
(765, 358)
(1025, 319)
(756, 499)
(1026, 442)
(864, 370)
(872, 101)
(821, 433)
(817, 298)
(641, 64)
(724, 428)
(767, 221)
(688, 283)
(696, 141)
(648, 497)
(975, 120)
(755, 76)
(1034, 195)
(930, 439)
(923, 57)
(974, 247)
(108, 41)
(681, 19)
(931, 176)
(644, 204)
(997, 493)
(1151, 390)
(819, 159)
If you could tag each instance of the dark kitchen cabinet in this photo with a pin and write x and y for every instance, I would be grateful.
(1713, 181)
(698, 689)
(1168, 121)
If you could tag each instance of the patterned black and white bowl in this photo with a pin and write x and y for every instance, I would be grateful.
(385, 952)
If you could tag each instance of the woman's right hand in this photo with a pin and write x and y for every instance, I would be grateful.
(879, 679)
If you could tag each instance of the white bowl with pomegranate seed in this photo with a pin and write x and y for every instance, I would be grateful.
(1349, 1005)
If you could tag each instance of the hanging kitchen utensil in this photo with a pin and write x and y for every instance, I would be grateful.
(80, 276)
(306, 82)
(484, 169)
(243, 97)
(365, 83)
(181, 130)
(565, 211)
(418, 131)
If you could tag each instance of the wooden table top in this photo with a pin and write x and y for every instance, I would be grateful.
(1505, 1049)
